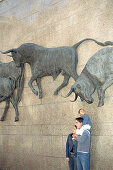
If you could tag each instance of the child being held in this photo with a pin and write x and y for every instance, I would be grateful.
(86, 125)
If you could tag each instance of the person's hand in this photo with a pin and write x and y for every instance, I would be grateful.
(75, 136)
(67, 159)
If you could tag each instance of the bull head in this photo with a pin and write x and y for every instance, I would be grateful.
(15, 55)
(78, 91)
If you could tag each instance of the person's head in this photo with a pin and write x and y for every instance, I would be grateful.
(81, 112)
(74, 129)
(78, 122)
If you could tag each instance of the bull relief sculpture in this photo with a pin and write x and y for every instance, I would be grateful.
(11, 77)
(49, 62)
(97, 74)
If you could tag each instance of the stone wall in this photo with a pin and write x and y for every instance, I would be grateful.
(38, 140)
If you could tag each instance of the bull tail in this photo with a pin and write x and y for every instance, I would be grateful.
(20, 85)
(106, 43)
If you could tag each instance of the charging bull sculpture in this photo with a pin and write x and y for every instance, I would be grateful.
(7, 87)
(49, 62)
(97, 74)
(10, 70)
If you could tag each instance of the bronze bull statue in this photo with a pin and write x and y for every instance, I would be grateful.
(97, 74)
(49, 62)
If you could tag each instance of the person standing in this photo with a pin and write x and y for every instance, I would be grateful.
(83, 147)
(71, 150)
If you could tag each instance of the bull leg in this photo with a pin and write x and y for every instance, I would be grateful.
(75, 75)
(102, 89)
(18, 98)
(72, 72)
(33, 78)
(38, 81)
(65, 83)
(101, 97)
(5, 111)
(14, 103)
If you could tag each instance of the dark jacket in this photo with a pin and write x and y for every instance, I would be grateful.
(69, 144)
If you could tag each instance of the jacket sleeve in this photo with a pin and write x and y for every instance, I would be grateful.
(67, 147)
(85, 120)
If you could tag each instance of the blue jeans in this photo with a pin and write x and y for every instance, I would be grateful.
(72, 162)
(83, 160)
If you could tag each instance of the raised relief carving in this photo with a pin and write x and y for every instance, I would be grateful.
(97, 74)
(49, 62)
(11, 77)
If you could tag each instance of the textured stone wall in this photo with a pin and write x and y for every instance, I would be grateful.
(38, 140)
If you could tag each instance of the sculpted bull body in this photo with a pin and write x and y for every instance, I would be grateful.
(97, 74)
(10, 70)
(49, 62)
(7, 87)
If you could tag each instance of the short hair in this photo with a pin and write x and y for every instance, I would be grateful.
(80, 110)
(79, 119)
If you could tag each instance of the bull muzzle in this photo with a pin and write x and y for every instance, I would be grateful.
(90, 101)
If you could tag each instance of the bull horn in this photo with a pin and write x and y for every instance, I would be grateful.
(68, 93)
(9, 51)
(76, 96)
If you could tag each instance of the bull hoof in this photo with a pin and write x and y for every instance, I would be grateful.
(56, 93)
(35, 92)
(100, 104)
(16, 119)
(2, 119)
(40, 96)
